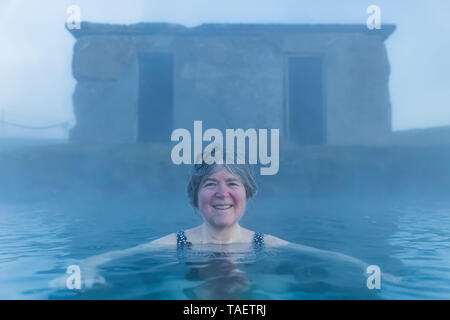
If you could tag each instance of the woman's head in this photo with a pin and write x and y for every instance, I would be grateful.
(220, 192)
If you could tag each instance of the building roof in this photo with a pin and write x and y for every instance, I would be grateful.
(90, 28)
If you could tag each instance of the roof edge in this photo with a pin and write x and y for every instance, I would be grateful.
(93, 28)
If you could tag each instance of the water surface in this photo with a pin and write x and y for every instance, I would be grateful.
(404, 237)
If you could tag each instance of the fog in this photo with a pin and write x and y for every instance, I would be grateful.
(35, 61)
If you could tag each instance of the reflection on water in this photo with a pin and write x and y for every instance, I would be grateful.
(39, 241)
(220, 278)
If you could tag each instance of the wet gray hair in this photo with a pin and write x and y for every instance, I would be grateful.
(200, 172)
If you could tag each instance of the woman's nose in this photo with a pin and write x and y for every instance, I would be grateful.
(222, 191)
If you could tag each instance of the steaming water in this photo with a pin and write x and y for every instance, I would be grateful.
(405, 238)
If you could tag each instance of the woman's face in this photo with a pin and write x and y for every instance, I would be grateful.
(222, 199)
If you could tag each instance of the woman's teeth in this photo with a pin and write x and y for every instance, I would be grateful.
(222, 207)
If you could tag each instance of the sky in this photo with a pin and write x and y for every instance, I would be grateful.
(36, 82)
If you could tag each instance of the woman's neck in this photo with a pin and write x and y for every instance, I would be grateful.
(222, 236)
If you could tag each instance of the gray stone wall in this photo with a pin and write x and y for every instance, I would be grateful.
(358, 102)
(105, 97)
(423, 137)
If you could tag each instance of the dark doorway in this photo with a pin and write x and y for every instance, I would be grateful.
(155, 103)
(306, 115)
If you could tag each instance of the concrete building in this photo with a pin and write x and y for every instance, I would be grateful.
(319, 84)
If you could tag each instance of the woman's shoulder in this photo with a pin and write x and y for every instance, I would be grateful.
(272, 241)
(269, 240)
(168, 240)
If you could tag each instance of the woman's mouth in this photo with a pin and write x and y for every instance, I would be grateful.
(222, 206)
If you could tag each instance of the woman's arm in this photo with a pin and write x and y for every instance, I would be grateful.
(342, 257)
(277, 242)
(103, 258)
(89, 266)
(327, 254)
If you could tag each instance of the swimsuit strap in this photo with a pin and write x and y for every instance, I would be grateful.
(182, 242)
(258, 241)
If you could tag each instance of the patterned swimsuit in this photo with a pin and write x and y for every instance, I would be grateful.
(183, 244)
